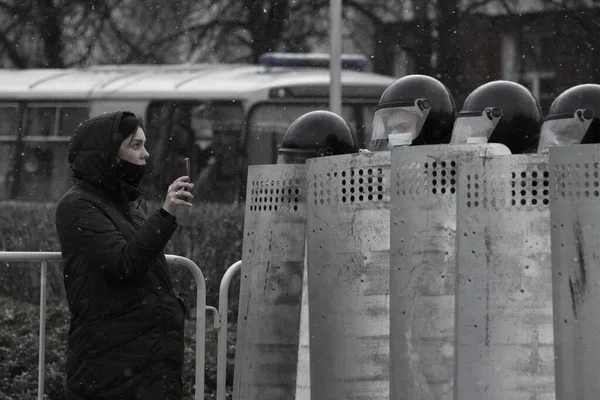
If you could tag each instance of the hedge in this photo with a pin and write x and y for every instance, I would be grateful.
(19, 335)
(209, 234)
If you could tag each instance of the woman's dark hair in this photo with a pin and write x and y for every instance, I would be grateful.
(128, 125)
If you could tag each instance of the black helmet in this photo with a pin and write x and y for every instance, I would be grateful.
(414, 110)
(317, 134)
(574, 118)
(500, 112)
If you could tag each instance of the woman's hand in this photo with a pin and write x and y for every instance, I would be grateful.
(178, 195)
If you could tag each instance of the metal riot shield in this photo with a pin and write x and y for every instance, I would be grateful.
(504, 338)
(575, 224)
(348, 276)
(271, 283)
(303, 376)
(422, 279)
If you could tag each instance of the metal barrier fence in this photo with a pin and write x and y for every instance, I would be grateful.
(220, 315)
(222, 340)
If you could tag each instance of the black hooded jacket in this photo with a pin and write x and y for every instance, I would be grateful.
(126, 332)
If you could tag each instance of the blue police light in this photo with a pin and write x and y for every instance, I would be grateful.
(314, 60)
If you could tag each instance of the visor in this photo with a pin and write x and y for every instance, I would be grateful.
(401, 124)
(564, 129)
(475, 127)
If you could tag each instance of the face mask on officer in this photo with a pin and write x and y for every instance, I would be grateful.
(402, 126)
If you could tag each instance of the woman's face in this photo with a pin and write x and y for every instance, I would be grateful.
(133, 148)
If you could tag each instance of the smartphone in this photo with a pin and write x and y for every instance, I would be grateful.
(188, 168)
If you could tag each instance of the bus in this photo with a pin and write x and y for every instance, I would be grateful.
(224, 117)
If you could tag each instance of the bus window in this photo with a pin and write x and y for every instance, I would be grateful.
(42, 171)
(70, 118)
(8, 139)
(268, 123)
(206, 132)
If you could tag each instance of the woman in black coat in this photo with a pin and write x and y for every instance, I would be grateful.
(126, 333)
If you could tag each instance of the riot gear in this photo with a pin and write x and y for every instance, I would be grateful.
(414, 110)
(316, 134)
(502, 112)
(574, 118)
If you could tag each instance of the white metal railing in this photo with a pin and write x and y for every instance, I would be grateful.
(44, 257)
(222, 340)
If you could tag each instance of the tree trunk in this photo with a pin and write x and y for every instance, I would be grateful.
(51, 33)
(266, 25)
(449, 52)
(421, 52)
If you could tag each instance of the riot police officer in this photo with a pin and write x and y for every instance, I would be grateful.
(316, 134)
(574, 118)
(414, 110)
(502, 112)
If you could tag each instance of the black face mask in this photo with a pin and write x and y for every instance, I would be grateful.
(130, 173)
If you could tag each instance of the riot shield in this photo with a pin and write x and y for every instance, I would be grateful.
(504, 337)
(271, 283)
(422, 279)
(303, 376)
(348, 276)
(575, 222)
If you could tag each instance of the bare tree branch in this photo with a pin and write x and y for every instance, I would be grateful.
(135, 50)
(374, 18)
(200, 29)
(20, 11)
(506, 6)
(87, 53)
(475, 5)
(10, 47)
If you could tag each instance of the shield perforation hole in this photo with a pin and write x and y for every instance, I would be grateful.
(473, 193)
(350, 186)
(574, 183)
(530, 187)
(441, 176)
(368, 185)
(275, 195)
